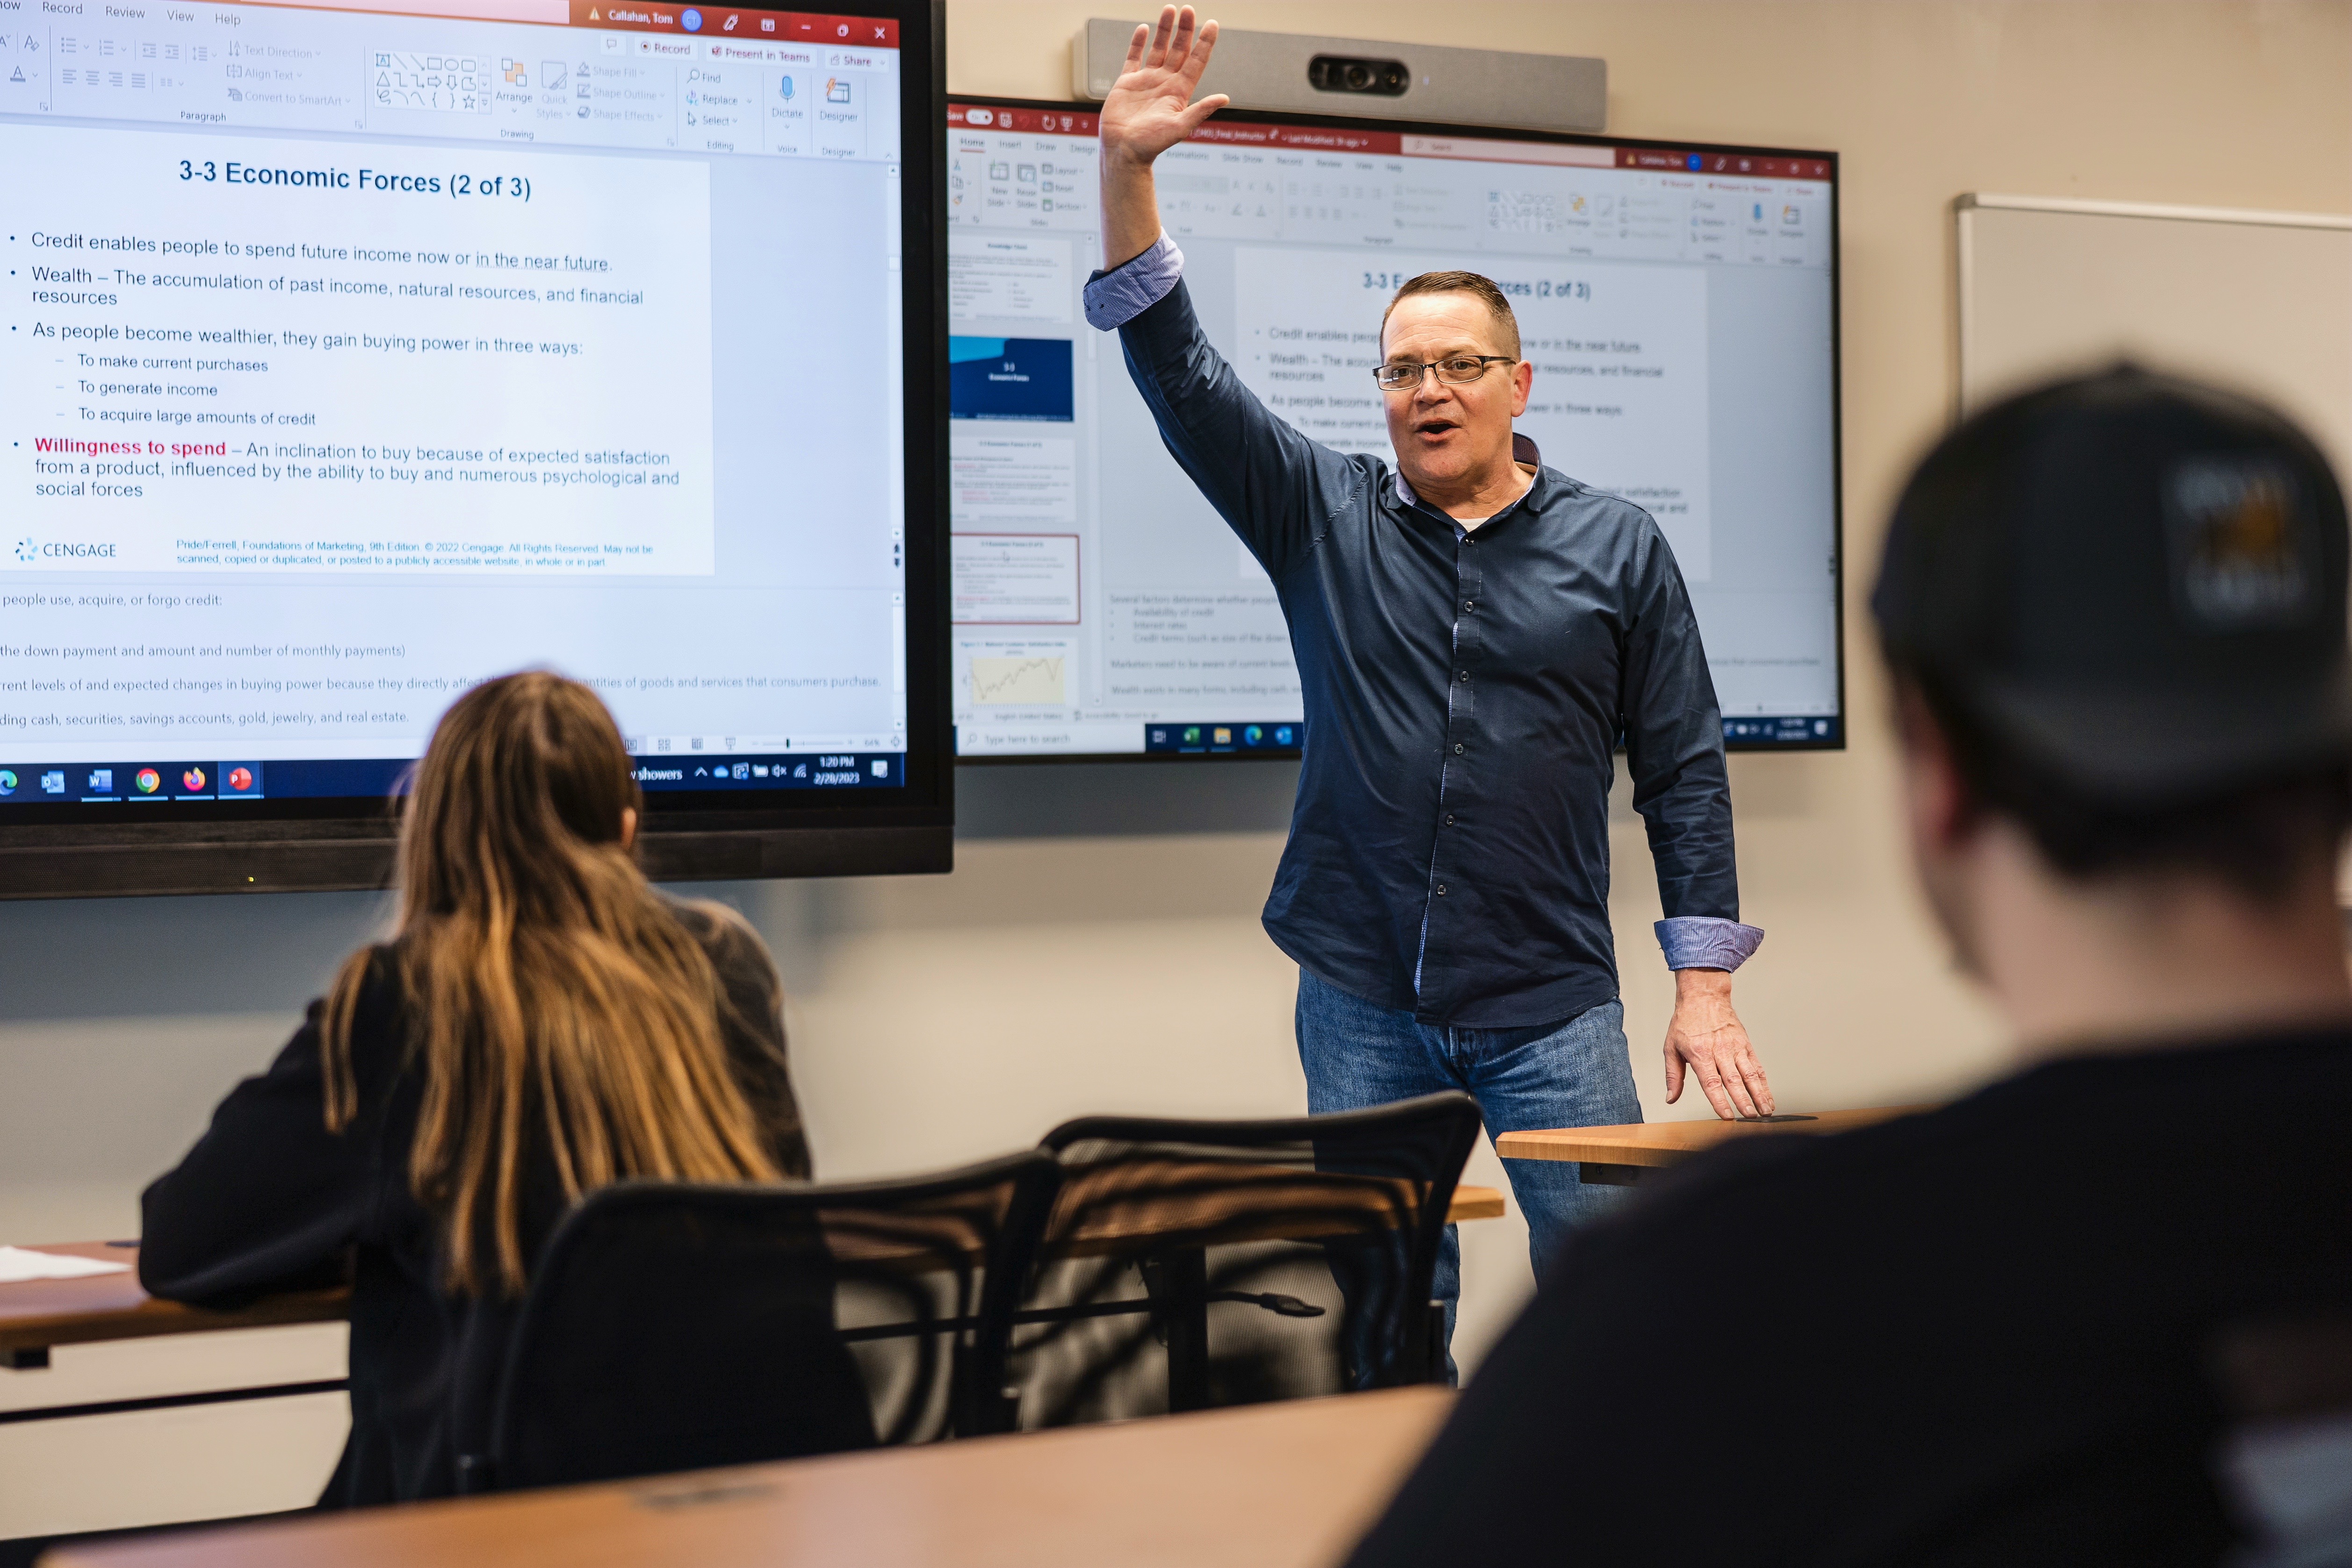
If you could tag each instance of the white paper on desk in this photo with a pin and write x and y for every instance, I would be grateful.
(18, 1264)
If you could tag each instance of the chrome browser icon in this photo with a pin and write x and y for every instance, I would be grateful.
(148, 780)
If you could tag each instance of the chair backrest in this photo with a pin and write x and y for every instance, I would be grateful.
(1194, 1264)
(672, 1326)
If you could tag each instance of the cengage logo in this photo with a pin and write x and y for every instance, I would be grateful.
(33, 550)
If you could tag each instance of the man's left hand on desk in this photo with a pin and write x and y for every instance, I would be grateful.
(1706, 1038)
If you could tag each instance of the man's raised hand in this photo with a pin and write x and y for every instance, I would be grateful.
(1150, 106)
(1149, 109)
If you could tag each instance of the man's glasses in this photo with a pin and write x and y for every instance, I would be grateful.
(1458, 370)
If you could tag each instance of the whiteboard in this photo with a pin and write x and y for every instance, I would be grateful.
(2259, 301)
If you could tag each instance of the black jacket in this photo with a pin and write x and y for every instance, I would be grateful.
(1976, 1336)
(270, 1200)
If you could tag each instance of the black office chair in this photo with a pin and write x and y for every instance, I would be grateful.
(1188, 1264)
(672, 1326)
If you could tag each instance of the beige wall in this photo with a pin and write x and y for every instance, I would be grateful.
(1070, 966)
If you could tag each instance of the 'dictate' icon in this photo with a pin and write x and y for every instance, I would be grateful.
(784, 90)
(148, 781)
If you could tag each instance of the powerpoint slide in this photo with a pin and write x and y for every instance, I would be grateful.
(1008, 277)
(1006, 673)
(1010, 378)
(289, 355)
(1620, 355)
(1017, 579)
(997, 478)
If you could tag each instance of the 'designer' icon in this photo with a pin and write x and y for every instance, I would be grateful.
(193, 780)
(148, 781)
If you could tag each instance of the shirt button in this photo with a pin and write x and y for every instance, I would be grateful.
(1441, 890)
(1449, 820)
(1457, 748)
(1466, 678)
(1469, 604)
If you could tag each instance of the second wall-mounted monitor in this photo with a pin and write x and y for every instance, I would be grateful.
(1679, 303)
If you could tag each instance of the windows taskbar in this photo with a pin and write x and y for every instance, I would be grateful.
(1240, 737)
(374, 778)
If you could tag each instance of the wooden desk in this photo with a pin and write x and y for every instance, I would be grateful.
(1616, 1156)
(1273, 1486)
(1475, 1203)
(38, 1313)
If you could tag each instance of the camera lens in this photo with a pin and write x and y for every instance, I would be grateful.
(1359, 76)
(1394, 78)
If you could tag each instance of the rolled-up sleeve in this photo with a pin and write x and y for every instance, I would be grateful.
(1699, 942)
(1117, 297)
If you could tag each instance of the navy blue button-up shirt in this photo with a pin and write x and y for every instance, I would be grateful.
(1464, 693)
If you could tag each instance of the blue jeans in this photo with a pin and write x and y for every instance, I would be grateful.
(1574, 1074)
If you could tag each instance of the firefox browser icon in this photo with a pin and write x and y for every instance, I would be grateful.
(193, 780)
(148, 781)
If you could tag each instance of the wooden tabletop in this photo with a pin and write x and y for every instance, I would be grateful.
(38, 1313)
(1288, 1484)
(1475, 1203)
(1655, 1143)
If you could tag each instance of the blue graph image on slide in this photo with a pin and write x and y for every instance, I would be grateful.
(1008, 378)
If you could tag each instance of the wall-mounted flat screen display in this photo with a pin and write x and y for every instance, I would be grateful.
(1679, 303)
(357, 356)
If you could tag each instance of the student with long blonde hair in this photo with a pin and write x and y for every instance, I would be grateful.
(542, 1023)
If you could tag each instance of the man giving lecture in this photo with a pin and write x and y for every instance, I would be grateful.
(1473, 631)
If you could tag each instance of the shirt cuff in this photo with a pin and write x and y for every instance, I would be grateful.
(1700, 941)
(1117, 297)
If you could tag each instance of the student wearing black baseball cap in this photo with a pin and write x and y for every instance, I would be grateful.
(2115, 614)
